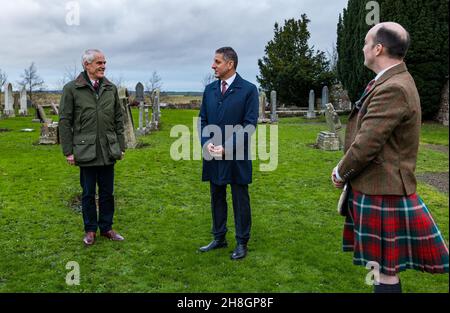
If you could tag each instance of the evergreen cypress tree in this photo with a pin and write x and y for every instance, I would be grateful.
(427, 58)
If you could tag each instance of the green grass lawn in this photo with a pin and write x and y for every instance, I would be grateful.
(163, 210)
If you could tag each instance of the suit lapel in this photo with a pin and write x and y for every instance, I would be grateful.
(216, 88)
(391, 72)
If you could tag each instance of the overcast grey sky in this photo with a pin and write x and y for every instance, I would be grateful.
(173, 37)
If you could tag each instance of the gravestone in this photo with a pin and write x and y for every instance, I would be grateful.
(142, 130)
(130, 137)
(9, 101)
(55, 108)
(16, 101)
(325, 97)
(273, 105)
(23, 102)
(262, 109)
(40, 112)
(156, 110)
(311, 113)
(49, 134)
(333, 139)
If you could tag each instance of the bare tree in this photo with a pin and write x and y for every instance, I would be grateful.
(208, 79)
(3, 79)
(70, 73)
(155, 82)
(333, 57)
(31, 80)
(119, 81)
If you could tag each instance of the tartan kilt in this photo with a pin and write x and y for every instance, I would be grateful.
(397, 232)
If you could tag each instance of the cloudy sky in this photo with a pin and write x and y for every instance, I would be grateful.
(176, 38)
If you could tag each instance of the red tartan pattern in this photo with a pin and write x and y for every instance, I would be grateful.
(397, 232)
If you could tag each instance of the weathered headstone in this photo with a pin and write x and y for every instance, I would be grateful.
(311, 113)
(333, 139)
(41, 115)
(139, 92)
(9, 101)
(156, 110)
(16, 101)
(262, 109)
(55, 108)
(142, 130)
(325, 97)
(273, 105)
(23, 102)
(49, 134)
(130, 137)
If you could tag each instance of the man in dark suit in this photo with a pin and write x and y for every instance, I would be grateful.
(228, 116)
(91, 131)
(387, 225)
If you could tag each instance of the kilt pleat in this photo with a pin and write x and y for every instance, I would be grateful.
(397, 232)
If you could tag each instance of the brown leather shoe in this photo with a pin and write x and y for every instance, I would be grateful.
(112, 235)
(89, 238)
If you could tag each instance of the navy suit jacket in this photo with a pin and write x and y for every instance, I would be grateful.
(238, 107)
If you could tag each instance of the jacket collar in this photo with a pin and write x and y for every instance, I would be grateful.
(237, 83)
(399, 68)
(82, 81)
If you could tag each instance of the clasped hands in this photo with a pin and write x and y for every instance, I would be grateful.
(215, 151)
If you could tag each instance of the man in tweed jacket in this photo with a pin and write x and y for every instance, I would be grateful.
(381, 145)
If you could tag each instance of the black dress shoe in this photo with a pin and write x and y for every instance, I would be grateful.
(240, 252)
(215, 244)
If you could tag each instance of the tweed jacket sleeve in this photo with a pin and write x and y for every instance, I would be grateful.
(379, 116)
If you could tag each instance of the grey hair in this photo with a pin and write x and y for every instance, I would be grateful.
(89, 56)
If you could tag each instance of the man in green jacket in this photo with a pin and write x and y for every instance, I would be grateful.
(91, 134)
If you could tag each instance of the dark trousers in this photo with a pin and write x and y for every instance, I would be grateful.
(89, 178)
(241, 208)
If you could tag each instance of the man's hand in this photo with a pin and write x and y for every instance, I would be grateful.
(215, 151)
(210, 148)
(122, 156)
(70, 159)
(339, 184)
(219, 150)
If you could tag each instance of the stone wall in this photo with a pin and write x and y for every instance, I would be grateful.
(442, 116)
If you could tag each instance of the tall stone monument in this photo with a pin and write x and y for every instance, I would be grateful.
(262, 108)
(273, 106)
(156, 110)
(9, 101)
(23, 102)
(325, 97)
(311, 113)
(142, 130)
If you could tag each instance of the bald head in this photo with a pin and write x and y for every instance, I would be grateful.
(393, 37)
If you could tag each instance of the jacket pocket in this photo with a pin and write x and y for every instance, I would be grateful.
(84, 148)
(114, 147)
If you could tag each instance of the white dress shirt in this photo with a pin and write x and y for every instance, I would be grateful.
(229, 81)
